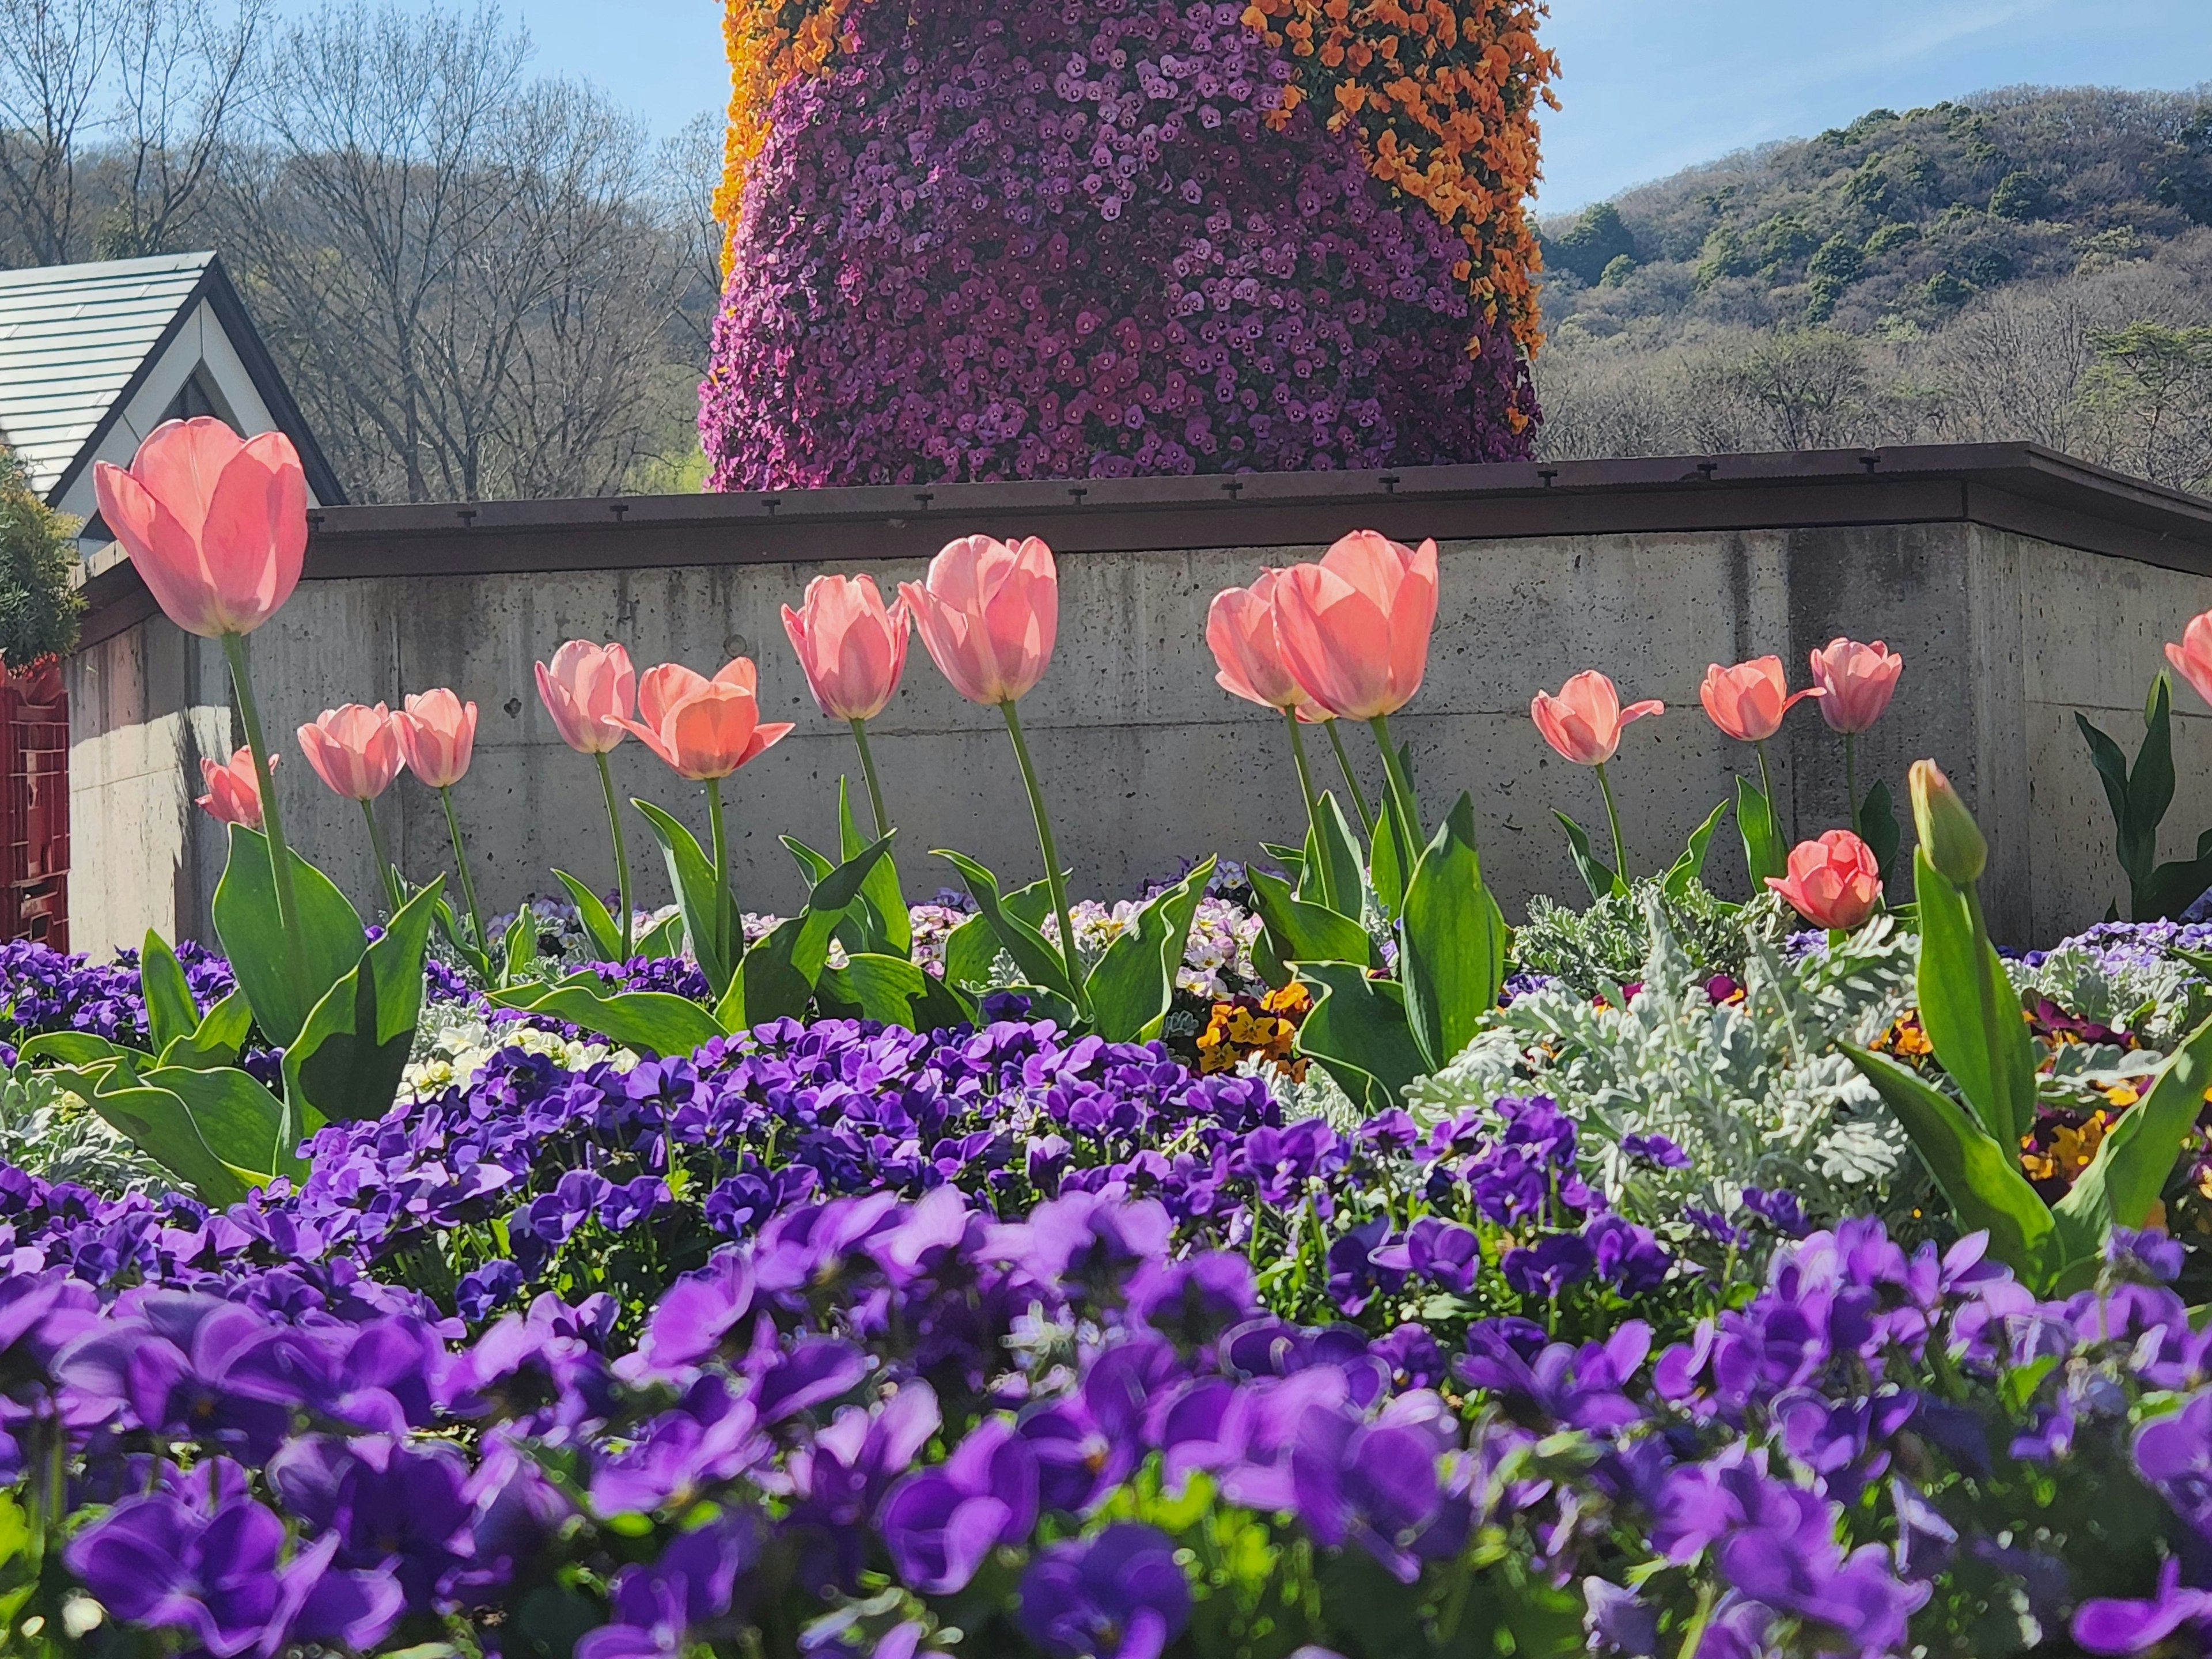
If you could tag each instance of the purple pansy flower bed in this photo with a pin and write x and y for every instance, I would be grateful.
(839, 1339)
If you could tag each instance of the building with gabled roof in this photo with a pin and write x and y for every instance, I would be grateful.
(93, 357)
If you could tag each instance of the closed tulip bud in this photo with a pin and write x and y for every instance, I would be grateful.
(234, 794)
(1833, 882)
(354, 750)
(1949, 834)
(216, 524)
(851, 647)
(437, 736)
(989, 612)
(1858, 680)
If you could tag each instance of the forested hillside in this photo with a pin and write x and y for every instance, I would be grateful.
(2025, 264)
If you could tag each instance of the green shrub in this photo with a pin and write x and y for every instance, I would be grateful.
(38, 607)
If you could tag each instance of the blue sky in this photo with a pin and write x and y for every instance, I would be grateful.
(1648, 86)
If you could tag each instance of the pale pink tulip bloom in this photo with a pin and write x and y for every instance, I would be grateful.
(217, 524)
(589, 690)
(1354, 629)
(234, 794)
(988, 614)
(2192, 658)
(1833, 882)
(1858, 680)
(437, 736)
(1748, 701)
(1240, 626)
(354, 750)
(704, 728)
(850, 646)
(1583, 722)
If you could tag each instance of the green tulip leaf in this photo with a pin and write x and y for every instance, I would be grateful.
(776, 979)
(1980, 1177)
(245, 922)
(76, 1049)
(1600, 877)
(170, 1011)
(519, 951)
(348, 1062)
(886, 928)
(1968, 1006)
(2122, 1183)
(1357, 1031)
(598, 923)
(1132, 986)
(709, 915)
(1690, 869)
(650, 1022)
(892, 990)
(1765, 850)
(217, 1040)
(1876, 819)
(1018, 939)
(1297, 931)
(1452, 942)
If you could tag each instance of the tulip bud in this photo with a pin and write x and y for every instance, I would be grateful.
(1949, 834)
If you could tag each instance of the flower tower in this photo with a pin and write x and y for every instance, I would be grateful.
(1001, 238)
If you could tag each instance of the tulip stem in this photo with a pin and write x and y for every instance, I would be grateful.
(1313, 804)
(1351, 783)
(1613, 817)
(461, 868)
(622, 853)
(384, 873)
(272, 822)
(1767, 781)
(1401, 794)
(731, 922)
(1054, 879)
(868, 771)
(1851, 777)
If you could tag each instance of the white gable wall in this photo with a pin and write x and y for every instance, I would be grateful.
(201, 344)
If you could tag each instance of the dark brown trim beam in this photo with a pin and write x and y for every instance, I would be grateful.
(2014, 487)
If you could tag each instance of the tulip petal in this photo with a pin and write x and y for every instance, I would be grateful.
(162, 550)
(182, 462)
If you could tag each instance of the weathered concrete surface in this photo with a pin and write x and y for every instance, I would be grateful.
(1145, 758)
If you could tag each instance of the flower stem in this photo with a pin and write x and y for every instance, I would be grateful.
(272, 822)
(731, 922)
(1766, 783)
(1851, 777)
(385, 871)
(461, 868)
(1613, 817)
(1313, 801)
(1401, 792)
(1352, 781)
(1054, 879)
(622, 853)
(868, 771)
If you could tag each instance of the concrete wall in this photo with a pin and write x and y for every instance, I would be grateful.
(1145, 758)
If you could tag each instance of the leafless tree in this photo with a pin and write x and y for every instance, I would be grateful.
(460, 260)
(53, 54)
(180, 71)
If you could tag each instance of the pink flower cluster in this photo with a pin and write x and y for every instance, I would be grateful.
(1064, 241)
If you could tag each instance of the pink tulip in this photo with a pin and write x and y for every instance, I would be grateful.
(437, 736)
(1858, 681)
(704, 728)
(852, 649)
(1240, 626)
(354, 750)
(589, 690)
(234, 794)
(989, 613)
(1354, 629)
(2192, 658)
(1834, 881)
(1583, 722)
(217, 524)
(1748, 701)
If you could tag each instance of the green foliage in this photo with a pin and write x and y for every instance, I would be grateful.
(1592, 244)
(2139, 795)
(2020, 195)
(38, 608)
(1757, 1091)
(1607, 944)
